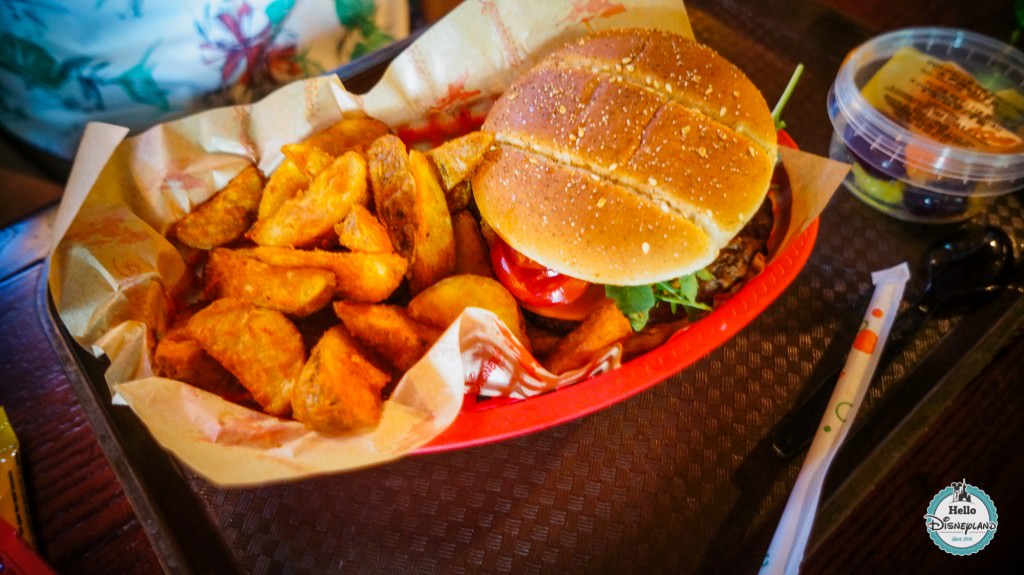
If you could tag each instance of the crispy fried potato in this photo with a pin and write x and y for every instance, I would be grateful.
(360, 277)
(394, 191)
(426, 331)
(310, 159)
(339, 389)
(434, 241)
(471, 253)
(651, 337)
(387, 330)
(224, 217)
(605, 327)
(457, 159)
(305, 160)
(441, 303)
(460, 197)
(306, 218)
(283, 184)
(412, 207)
(355, 132)
(180, 357)
(542, 341)
(488, 233)
(297, 291)
(361, 231)
(260, 347)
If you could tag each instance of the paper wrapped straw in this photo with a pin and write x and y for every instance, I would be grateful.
(790, 540)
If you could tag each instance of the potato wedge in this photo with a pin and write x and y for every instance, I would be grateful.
(542, 341)
(307, 159)
(441, 303)
(412, 207)
(224, 217)
(459, 198)
(310, 159)
(394, 191)
(339, 389)
(306, 218)
(297, 291)
(434, 241)
(603, 328)
(355, 132)
(361, 231)
(260, 347)
(178, 356)
(283, 184)
(651, 337)
(471, 253)
(387, 330)
(359, 276)
(488, 233)
(457, 159)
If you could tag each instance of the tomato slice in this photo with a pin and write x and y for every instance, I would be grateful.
(531, 282)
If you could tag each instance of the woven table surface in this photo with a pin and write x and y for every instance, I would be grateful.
(678, 478)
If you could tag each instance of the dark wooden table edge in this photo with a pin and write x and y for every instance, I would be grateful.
(184, 538)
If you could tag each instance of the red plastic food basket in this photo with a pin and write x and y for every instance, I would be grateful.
(517, 418)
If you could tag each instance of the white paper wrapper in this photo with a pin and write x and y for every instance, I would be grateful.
(113, 273)
(786, 550)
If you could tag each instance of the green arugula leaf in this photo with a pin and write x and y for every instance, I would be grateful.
(688, 287)
(634, 301)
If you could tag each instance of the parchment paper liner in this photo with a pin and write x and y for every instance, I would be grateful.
(112, 270)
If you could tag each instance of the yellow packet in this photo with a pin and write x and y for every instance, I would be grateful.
(13, 505)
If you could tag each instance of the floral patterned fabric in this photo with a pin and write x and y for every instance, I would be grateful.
(140, 62)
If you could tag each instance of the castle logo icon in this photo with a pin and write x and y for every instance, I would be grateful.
(961, 519)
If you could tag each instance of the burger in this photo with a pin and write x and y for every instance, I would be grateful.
(631, 164)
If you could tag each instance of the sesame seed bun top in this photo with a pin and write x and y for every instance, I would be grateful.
(626, 158)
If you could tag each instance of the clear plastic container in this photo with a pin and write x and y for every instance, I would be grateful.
(932, 120)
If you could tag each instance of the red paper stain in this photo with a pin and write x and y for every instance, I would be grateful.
(440, 127)
(877, 312)
(587, 10)
(457, 94)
